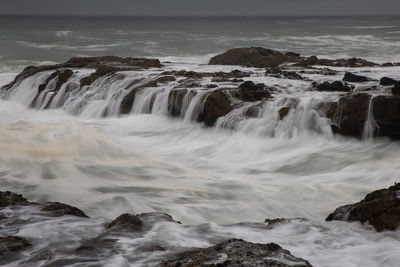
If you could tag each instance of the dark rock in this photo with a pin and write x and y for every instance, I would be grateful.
(129, 99)
(9, 198)
(237, 252)
(336, 86)
(175, 100)
(396, 88)
(211, 86)
(351, 114)
(386, 111)
(165, 79)
(381, 209)
(126, 221)
(351, 62)
(253, 92)
(100, 72)
(60, 209)
(387, 81)
(292, 75)
(216, 104)
(283, 112)
(350, 77)
(10, 244)
(253, 57)
(105, 64)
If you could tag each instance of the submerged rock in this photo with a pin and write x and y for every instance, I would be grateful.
(60, 209)
(10, 244)
(237, 252)
(283, 112)
(381, 209)
(127, 221)
(350, 77)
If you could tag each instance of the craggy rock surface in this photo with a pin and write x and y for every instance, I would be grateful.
(216, 104)
(237, 252)
(106, 64)
(248, 91)
(8, 198)
(350, 113)
(265, 58)
(381, 209)
(12, 244)
(336, 86)
(385, 81)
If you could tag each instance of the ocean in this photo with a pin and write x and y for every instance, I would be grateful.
(214, 180)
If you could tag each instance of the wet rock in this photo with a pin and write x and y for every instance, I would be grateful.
(166, 79)
(381, 209)
(129, 99)
(336, 86)
(8, 198)
(396, 88)
(351, 62)
(350, 77)
(11, 244)
(386, 111)
(253, 92)
(350, 114)
(237, 252)
(253, 57)
(60, 209)
(292, 75)
(126, 221)
(216, 104)
(283, 112)
(105, 65)
(387, 81)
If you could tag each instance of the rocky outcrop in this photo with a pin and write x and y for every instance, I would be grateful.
(350, 77)
(381, 209)
(396, 88)
(248, 91)
(216, 104)
(336, 86)
(8, 198)
(386, 111)
(103, 65)
(259, 57)
(237, 252)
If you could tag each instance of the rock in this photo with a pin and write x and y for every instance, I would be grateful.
(292, 75)
(165, 79)
(237, 252)
(386, 111)
(10, 244)
(60, 209)
(253, 57)
(350, 77)
(396, 88)
(253, 92)
(381, 209)
(350, 63)
(387, 81)
(129, 99)
(350, 114)
(216, 104)
(336, 86)
(283, 112)
(9, 198)
(105, 65)
(126, 221)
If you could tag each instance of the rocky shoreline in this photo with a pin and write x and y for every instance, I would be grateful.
(220, 93)
(380, 210)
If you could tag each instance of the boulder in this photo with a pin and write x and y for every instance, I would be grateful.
(387, 81)
(216, 104)
(248, 91)
(60, 209)
(126, 221)
(350, 114)
(253, 57)
(381, 209)
(336, 86)
(283, 112)
(237, 252)
(350, 77)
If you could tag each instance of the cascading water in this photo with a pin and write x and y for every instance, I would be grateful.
(370, 126)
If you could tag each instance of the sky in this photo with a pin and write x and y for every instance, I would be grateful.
(200, 7)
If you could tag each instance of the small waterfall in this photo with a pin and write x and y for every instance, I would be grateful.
(195, 106)
(370, 125)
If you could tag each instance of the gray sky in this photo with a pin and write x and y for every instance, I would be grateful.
(201, 7)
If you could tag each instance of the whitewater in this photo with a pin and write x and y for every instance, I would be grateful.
(221, 182)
